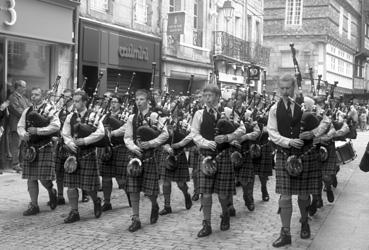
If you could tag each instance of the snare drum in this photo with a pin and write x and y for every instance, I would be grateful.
(345, 152)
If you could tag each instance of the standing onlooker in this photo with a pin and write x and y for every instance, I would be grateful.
(17, 104)
(363, 118)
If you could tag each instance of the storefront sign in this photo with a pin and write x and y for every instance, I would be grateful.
(10, 11)
(176, 22)
(132, 52)
(230, 78)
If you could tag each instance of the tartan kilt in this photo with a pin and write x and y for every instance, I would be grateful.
(264, 165)
(181, 174)
(224, 180)
(86, 176)
(148, 182)
(193, 157)
(309, 182)
(60, 158)
(329, 167)
(43, 167)
(117, 165)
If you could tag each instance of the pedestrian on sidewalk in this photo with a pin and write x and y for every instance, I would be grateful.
(284, 125)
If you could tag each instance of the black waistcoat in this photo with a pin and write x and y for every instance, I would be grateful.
(208, 125)
(287, 126)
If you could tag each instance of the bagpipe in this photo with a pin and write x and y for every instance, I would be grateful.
(147, 130)
(39, 118)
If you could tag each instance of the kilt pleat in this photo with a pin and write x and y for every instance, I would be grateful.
(117, 165)
(181, 174)
(86, 176)
(309, 182)
(224, 180)
(43, 167)
(264, 165)
(148, 182)
(329, 167)
(59, 161)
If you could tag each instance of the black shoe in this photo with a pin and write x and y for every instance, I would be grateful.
(97, 208)
(205, 230)
(85, 196)
(61, 200)
(249, 203)
(106, 207)
(231, 211)
(154, 214)
(72, 217)
(334, 181)
(136, 224)
(283, 240)
(32, 210)
(319, 203)
(224, 223)
(195, 197)
(305, 230)
(166, 210)
(188, 201)
(53, 199)
(313, 207)
(330, 195)
(265, 195)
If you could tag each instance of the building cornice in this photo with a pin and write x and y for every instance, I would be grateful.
(170, 59)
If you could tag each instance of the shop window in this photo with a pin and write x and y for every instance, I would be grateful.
(100, 5)
(30, 62)
(141, 8)
(294, 12)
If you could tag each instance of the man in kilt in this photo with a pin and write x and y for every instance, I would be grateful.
(263, 165)
(218, 148)
(42, 168)
(176, 170)
(116, 165)
(284, 125)
(147, 181)
(61, 152)
(86, 176)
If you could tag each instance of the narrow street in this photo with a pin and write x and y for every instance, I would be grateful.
(338, 225)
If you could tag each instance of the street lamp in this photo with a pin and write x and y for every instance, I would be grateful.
(228, 11)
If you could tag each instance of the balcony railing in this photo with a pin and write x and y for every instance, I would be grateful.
(248, 52)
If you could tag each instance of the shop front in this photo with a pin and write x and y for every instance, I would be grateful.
(36, 45)
(117, 53)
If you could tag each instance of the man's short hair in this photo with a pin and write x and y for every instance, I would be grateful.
(288, 78)
(68, 91)
(117, 97)
(83, 94)
(18, 83)
(37, 88)
(213, 89)
(142, 92)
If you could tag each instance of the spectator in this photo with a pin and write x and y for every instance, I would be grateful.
(17, 104)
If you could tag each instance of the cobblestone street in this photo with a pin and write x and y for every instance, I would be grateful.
(249, 230)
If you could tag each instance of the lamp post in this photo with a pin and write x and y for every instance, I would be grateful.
(228, 11)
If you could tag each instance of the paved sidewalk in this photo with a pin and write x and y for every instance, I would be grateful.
(249, 230)
(347, 226)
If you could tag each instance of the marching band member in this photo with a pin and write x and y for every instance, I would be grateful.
(86, 175)
(178, 170)
(222, 181)
(148, 180)
(61, 154)
(42, 167)
(116, 165)
(284, 124)
(245, 172)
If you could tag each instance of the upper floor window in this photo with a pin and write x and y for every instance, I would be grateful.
(294, 12)
(174, 5)
(141, 11)
(349, 26)
(196, 14)
(100, 5)
(340, 27)
(198, 22)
